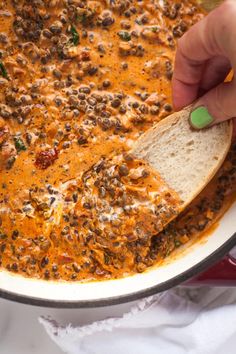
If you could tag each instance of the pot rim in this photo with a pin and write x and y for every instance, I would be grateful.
(116, 300)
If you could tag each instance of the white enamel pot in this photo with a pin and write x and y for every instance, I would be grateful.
(191, 261)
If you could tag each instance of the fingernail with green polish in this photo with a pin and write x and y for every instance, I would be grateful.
(200, 118)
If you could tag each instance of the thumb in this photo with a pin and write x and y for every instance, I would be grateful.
(215, 106)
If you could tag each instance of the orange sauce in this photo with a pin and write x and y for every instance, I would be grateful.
(79, 83)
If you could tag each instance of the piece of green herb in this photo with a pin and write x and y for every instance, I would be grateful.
(2, 236)
(85, 17)
(138, 21)
(81, 18)
(177, 243)
(74, 36)
(106, 259)
(3, 71)
(154, 29)
(13, 249)
(19, 144)
(124, 35)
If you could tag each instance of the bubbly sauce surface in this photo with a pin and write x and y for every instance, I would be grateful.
(79, 82)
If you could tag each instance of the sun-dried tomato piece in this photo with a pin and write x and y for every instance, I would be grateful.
(46, 158)
(85, 55)
(65, 259)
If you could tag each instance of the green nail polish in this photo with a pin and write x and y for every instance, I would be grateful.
(200, 118)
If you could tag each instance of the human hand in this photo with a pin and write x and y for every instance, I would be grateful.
(205, 56)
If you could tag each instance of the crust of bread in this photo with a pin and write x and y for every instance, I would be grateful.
(187, 159)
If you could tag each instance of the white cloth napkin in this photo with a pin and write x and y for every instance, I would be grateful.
(183, 320)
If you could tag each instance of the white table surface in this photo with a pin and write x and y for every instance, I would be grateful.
(21, 333)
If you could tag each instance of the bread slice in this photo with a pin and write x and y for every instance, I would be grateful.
(186, 159)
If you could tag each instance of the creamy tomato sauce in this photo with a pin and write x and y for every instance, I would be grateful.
(79, 82)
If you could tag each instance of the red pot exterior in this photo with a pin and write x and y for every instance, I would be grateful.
(221, 274)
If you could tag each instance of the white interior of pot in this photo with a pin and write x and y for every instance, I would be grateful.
(76, 291)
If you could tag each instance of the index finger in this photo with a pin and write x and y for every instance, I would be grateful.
(213, 36)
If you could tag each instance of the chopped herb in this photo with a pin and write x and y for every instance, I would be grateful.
(3, 70)
(81, 18)
(3, 236)
(168, 251)
(177, 243)
(106, 259)
(13, 249)
(85, 17)
(138, 21)
(74, 36)
(19, 144)
(154, 29)
(124, 35)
